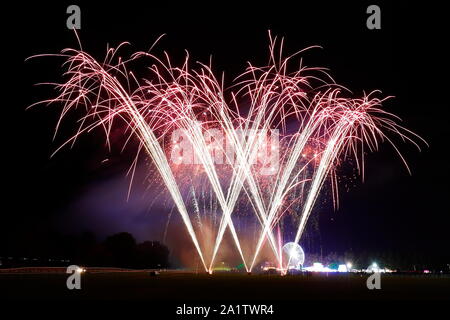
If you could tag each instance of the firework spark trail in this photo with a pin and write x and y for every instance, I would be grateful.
(266, 104)
(180, 96)
(189, 123)
(243, 174)
(280, 188)
(209, 166)
(196, 206)
(356, 125)
(220, 109)
(349, 116)
(83, 70)
(246, 152)
(287, 181)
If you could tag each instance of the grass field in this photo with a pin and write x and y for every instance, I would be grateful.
(190, 287)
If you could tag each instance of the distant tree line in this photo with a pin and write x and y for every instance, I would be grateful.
(118, 250)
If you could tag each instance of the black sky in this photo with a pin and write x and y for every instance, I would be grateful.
(407, 58)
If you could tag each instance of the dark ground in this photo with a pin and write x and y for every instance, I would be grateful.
(189, 287)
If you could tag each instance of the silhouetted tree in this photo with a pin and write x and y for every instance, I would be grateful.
(121, 248)
(152, 254)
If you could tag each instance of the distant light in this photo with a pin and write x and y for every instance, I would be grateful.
(342, 268)
(81, 270)
(374, 268)
(349, 265)
(293, 253)
(318, 267)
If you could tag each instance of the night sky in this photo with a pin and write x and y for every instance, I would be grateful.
(74, 190)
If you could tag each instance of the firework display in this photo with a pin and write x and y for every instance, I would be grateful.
(259, 150)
